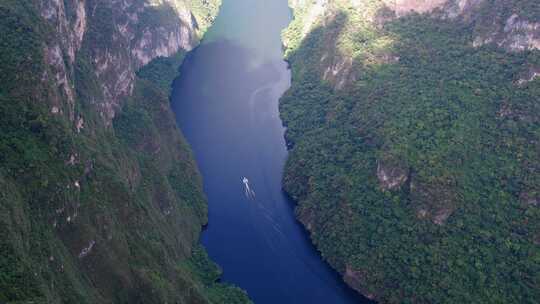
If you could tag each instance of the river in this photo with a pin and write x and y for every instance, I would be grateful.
(226, 103)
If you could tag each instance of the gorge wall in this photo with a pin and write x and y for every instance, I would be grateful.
(414, 135)
(101, 200)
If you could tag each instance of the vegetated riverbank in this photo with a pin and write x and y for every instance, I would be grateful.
(227, 107)
(101, 200)
(414, 145)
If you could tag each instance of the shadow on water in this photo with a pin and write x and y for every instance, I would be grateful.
(226, 103)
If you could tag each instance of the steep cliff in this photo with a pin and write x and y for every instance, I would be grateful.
(414, 129)
(100, 201)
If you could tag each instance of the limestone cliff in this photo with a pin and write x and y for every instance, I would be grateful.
(101, 200)
(500, 23)
(119, 38)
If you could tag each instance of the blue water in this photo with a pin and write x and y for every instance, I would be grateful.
(226, 102)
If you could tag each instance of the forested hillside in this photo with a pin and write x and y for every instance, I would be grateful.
(414, 129)
(100, 201)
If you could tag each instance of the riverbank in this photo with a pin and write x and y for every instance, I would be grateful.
(228, 111)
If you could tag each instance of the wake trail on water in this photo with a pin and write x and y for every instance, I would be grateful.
(285, 240)
(253, 95)
(277, 89)
(250, 193)
(277, 242)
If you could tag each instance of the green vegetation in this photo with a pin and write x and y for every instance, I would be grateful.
(103, 214)
(207, 272)
(162, 71)
(465, 226)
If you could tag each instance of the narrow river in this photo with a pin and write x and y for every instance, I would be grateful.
(226, 103)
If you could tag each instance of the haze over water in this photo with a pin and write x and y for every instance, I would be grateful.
(226, 103)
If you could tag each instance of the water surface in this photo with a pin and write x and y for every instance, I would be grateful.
(226, 102)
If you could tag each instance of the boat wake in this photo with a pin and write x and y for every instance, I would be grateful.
(247, 190)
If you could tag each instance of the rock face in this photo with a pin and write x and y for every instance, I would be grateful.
(415, 128)
(516, 35)
(391, 177)
(101, 199)
(514, 32)
(133, 35)
(404, 7)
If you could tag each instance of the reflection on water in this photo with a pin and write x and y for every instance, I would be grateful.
(252, 24)
(226, 102)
